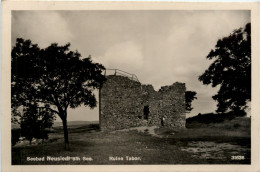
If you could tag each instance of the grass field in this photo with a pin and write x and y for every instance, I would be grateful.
(205, 144)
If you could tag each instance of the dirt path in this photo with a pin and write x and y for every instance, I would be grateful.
(144, 129)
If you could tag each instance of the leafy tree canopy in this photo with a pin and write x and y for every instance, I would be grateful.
(55, 77)
(231, 70)
(189, 97)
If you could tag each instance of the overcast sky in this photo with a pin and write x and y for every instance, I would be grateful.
(160, 47)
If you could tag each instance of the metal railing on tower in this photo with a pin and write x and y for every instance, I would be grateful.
(121, 73)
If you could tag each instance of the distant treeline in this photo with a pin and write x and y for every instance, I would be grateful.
(213, 117)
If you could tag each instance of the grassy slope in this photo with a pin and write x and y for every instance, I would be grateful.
(229, 131)
(101, 145)
(86, 140)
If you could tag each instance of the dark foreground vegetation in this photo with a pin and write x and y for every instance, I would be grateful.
(213, 143)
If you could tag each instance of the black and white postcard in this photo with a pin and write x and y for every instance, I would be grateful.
(133, 86)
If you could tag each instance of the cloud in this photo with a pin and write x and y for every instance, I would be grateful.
(181, 55)
(127, 56)
(159, 46)
(42, 27)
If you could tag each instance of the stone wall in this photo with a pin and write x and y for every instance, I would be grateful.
(126, 103)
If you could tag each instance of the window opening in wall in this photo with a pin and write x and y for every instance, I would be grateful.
(146, 112)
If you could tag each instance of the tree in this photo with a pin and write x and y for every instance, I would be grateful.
(28, 123)
(45, 122)
(15, 135)
(189, 97)
(35, 121)
(55, 77)
(231, 70)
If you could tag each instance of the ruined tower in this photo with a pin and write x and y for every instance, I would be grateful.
(125, 103)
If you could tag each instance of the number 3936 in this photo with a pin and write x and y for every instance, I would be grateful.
(239, 157)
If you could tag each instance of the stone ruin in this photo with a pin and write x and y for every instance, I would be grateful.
(125, 103)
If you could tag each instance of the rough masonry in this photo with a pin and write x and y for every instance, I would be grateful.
(126, 103)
